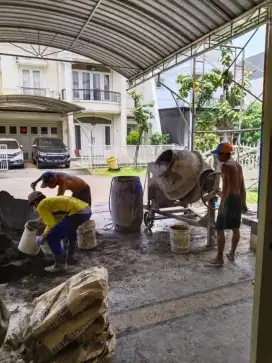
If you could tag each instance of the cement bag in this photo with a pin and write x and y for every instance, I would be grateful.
(51, 342)
(4, 321)
(62, 314)
(96, 344)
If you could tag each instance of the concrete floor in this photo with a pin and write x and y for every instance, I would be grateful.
(165, 308)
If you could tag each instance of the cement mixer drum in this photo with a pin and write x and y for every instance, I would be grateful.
(177, 174)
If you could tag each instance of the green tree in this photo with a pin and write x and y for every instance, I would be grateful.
(252, 118)
(224, 115)
(133, 137)
(142, 115)
(159, 139)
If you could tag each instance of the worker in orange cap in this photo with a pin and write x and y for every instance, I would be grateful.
(233, 201)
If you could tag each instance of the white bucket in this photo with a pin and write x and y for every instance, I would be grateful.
(180, 238)
(86, 235)
(28, 243)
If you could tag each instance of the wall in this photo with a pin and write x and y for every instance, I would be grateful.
(148, 90)
(10, 75)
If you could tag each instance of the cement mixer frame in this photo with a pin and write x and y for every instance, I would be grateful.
(173, 209)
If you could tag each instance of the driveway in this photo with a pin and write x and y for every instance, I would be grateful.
(17, 182)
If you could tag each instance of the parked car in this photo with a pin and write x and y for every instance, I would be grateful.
(13, 155)
(49, 151)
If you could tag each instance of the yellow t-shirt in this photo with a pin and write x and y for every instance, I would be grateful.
(51, 210)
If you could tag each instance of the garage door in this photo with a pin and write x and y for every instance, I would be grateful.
(25, 134)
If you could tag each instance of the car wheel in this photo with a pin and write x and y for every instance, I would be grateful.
(38, 165)
(67, 165)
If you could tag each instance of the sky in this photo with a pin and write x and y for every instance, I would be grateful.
(256, 44)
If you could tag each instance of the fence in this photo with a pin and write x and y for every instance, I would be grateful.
(3, 158)
(248, 156)
(96, 156)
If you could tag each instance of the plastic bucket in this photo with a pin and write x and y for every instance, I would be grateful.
(86, 236)
(180, 238)
(112, 162)
(28, 243)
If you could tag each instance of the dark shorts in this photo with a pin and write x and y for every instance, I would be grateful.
(84, 195)
(67, 228)
(231, 217)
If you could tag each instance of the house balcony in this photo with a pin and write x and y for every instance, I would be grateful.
(97, 100)
(43, 92)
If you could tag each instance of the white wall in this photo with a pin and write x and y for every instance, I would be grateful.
(148, 90)
(10, 75)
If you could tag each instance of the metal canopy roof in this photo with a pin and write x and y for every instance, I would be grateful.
(37, 104)
(130, 36)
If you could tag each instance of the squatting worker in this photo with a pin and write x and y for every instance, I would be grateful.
(233, 201)
(79, 188)
(76, 212)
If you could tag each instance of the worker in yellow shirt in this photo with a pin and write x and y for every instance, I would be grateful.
(74, 212)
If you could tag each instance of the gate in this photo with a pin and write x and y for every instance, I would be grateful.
(3, 158)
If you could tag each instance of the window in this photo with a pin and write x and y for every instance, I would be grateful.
(37, 83)
(34, 130)
(54, 130)
(2, 129)
(13, 130)
(46, 142)
(96, 86)
(44, 130)
(23, 130)
(106, 87)
(26, 79)
(86, 85)
(107, 135)
(129, 129)
(76, 85)
(31, 81)
(10, 144)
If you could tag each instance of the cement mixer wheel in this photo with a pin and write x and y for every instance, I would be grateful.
(149, 219)
(212, 194)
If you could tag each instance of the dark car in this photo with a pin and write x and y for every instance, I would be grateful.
(49, 151)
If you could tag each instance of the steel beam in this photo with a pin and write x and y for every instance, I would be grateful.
(28, 41)
(60, 60)
(86, 23)
(239, 26)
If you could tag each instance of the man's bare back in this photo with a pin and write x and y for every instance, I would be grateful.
(69, 182)
(79, 188)
(235, 175)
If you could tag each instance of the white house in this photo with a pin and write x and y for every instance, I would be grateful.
(105, 117)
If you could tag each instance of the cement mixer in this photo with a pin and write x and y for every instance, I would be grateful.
(177, 179)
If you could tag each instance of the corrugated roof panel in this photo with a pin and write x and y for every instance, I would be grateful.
(34, 102)
(131, 34)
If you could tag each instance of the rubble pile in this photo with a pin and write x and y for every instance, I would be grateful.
(14, 213)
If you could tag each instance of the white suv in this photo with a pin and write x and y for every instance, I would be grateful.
(14, 152)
